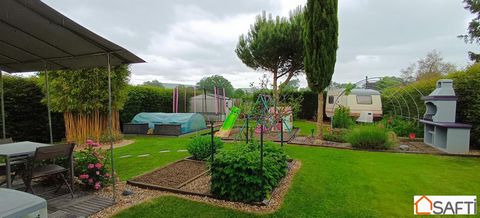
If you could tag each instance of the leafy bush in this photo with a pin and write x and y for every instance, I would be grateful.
(336, 135)
(369, 137)
(403, 127)
(91, 166)
(146, 99)
(341, 118)
(466, 84)
(200, 146)
(236, 173)
(26, 116)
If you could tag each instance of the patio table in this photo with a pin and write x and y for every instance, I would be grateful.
(11, 150)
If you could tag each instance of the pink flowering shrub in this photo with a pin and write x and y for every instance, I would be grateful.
(91, 166)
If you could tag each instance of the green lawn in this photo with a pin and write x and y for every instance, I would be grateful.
(127, 167)
(331, 183)
(305, 127)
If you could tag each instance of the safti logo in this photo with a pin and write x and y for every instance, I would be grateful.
(444, 205)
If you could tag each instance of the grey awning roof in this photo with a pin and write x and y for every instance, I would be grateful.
(32, 34)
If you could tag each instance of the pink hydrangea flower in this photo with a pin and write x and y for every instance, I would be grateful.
(97, 186)
(90, 181)
(97, 172)
(98, 165)
(96, 145)
(84, 176)
(107, 175)
(90, 166)
(89, 142)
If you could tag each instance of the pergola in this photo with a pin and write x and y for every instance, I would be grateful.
(35, 37)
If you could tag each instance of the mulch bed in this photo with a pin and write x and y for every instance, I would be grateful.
(173, 175)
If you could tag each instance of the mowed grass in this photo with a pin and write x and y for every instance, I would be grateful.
(333, 183)
(128, 167)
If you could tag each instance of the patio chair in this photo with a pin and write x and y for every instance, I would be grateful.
(35, 170)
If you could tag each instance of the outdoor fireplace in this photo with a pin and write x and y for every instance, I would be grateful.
(441, 130)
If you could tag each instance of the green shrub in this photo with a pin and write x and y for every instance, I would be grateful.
(341, 118)
(200, 146)
(236, 173)
(403, 127)
(369, 137)
(145, 99)
(336, 135)
(26, 117)
(92, 166)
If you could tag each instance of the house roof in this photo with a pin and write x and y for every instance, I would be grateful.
(34, 36)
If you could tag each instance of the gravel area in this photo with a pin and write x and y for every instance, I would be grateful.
(320, 143)
(174, 174)
(143, 195)
(199, 185)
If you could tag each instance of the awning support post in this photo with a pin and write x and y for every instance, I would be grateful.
(47, 87)
(110, 124)
(3, 106)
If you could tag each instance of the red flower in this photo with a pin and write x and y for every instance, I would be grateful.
(90, 166)
(98, 165)
(84, 176)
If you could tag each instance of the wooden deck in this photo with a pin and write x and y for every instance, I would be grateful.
(62, 205)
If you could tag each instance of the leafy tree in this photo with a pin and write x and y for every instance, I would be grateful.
(388, 82)
(321, 43)
(216, 81)
(431, 66)
(292, 85)
(473, 35)
(153, 83)
(239, 93)
(274, 45)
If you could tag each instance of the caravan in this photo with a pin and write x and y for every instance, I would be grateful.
(364, 104)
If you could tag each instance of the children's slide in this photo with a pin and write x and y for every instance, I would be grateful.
(229, 123)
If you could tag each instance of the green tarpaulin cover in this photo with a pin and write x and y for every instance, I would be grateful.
(189, 122)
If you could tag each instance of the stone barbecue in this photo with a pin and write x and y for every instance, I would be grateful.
(440, 129)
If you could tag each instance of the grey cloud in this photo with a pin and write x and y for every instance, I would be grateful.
(185, 40)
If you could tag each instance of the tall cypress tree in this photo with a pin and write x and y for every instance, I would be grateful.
(321, 43)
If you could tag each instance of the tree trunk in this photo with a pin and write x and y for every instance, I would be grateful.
(320, 116)
(275, 87)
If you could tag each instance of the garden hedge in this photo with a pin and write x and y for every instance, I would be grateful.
(146, 99)
(236, 172)
(26, 117)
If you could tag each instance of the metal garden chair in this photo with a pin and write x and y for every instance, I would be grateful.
(36, 170)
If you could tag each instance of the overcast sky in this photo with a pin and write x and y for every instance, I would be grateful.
(185, 40)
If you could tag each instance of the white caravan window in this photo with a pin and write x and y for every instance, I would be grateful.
(330, 99)
(364, 99)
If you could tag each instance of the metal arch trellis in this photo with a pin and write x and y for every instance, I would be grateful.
(391, 96)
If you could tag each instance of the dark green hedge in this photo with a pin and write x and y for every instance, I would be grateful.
(152, 99)
(26, 117)
(236, 172)
(146, 99)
